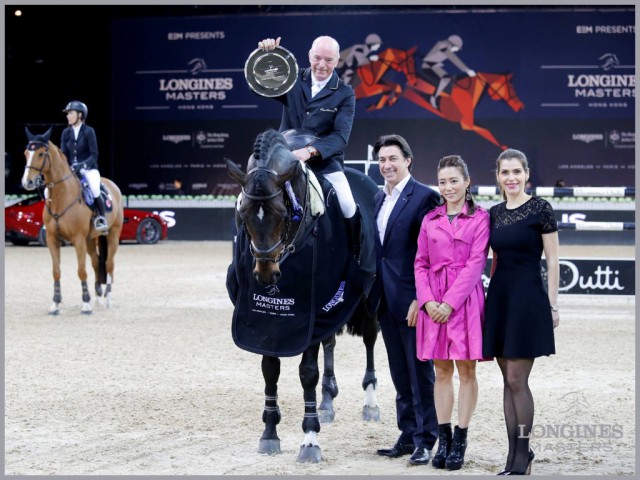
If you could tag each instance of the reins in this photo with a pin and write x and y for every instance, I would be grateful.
(52, 184)
(294, 212)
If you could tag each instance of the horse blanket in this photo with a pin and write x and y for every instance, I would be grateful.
(319, 289)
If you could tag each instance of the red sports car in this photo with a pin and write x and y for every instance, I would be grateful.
(23, 224)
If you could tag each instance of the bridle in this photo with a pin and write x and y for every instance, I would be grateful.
(32, 146)
(259, 254)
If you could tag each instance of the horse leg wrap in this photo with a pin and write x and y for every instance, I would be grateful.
(310, 422)
(270, 442)
(369, 379)
(98, 289)
(329, 391)
(330, 385)
(85, 292)
(271, 413)
(57, 294)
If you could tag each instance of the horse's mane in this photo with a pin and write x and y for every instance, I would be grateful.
(266, 142)
(271, 150)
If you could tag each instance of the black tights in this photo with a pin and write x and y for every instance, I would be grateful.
(518, 409)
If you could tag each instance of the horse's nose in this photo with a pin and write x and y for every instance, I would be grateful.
(28, 184)
(267, 278)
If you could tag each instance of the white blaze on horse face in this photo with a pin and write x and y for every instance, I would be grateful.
(26, 170)
(260, 213)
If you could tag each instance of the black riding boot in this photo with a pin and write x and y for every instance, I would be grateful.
(354, 230)
(444, 445)
(100, 222)
(455, 460)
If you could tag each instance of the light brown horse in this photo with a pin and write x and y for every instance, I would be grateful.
(67, 217)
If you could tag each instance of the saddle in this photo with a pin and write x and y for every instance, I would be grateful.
(87, 195)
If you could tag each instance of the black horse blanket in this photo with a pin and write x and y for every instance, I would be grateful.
(320, 286)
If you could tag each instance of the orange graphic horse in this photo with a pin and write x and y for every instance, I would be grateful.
(458, 105)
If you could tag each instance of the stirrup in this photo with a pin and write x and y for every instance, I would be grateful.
(100, 224)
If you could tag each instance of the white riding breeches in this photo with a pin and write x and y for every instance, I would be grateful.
(93, 177)
(338, 181)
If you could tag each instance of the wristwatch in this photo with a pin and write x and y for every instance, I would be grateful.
(312, 151)
(554, 308)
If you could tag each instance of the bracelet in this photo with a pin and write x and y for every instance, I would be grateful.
(554, 308)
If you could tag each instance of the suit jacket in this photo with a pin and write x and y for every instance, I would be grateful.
(396, 255)
(329, 115)
(84, 149)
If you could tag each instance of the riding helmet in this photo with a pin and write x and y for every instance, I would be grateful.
(78, 107)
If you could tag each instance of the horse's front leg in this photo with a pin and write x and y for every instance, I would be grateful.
(269, 442)
(81, 254)
(370, 409)
(309, 376)
(329, 384)
(54, 249)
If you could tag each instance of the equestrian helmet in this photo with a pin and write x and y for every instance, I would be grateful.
(373, 39)
(455, 40)
(78, 107)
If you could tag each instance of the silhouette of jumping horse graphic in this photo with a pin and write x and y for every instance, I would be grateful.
(458, 105)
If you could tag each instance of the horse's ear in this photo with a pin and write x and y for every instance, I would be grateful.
(29, 134)
(290, 172)
(235, 172)
(47, 134)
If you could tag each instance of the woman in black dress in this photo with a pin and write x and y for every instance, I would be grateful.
(520, 315)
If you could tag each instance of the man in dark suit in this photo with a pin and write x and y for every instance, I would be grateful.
(399, 209)
(322, 104)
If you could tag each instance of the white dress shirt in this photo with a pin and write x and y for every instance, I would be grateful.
(390, 199)
(316, 85)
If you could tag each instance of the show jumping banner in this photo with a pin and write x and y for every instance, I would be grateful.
(558, 84)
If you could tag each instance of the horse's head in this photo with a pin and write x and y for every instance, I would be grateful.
(499, 87)
(37, 158)
(263, 208)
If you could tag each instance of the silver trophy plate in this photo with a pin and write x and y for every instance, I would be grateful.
(271, 73)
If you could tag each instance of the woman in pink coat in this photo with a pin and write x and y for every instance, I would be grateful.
(452, 253)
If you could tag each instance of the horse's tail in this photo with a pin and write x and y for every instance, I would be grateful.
(103, 252)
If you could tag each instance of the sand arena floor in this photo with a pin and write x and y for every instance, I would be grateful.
(156, 386)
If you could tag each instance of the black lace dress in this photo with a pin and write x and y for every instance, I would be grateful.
(518, 321)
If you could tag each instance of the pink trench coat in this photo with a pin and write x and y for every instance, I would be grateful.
(448, 268)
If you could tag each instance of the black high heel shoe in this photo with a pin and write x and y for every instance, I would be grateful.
(527, 470)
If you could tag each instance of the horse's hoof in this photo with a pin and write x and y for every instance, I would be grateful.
(54, 309)
(310, 454)
(326, 416)
(370, 414)
(269, 446)
(53, 313)
(86, 308)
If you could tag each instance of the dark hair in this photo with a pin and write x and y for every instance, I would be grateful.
(456, 161)
(511, 154)
(391, 141)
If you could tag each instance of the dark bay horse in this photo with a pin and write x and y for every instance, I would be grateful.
(293, 283)
(67, 217)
